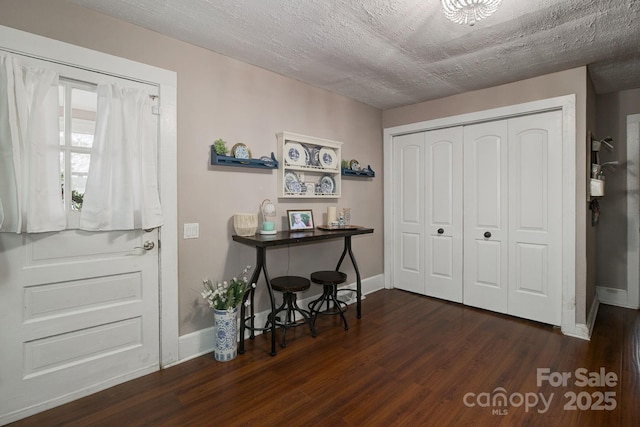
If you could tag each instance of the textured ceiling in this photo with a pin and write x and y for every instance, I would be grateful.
(390, 53)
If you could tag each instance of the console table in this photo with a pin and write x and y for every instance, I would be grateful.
(283, 238)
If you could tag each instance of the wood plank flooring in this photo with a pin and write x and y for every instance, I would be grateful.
(410, 361)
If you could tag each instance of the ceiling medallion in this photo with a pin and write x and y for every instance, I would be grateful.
(469, 11)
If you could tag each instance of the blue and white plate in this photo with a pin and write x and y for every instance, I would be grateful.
(295, 154)
(327, 184)
(328, 158)
(292, 183)
(315, 157)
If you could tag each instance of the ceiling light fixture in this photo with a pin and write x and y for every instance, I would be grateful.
(469, 11)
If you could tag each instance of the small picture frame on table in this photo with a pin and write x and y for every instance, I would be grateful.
(300, 219)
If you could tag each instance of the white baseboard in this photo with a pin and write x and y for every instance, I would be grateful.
(611, 296)
(200, 342)
(584, 330)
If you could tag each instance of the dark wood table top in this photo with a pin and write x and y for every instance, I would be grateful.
(299, 236)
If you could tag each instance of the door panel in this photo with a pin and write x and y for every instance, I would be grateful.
(80, 309)
(443, 209)
(73, 323)
(408, 212)
(535, 210)
(485, 216)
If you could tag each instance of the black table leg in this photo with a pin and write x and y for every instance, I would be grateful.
(347, 249)
(261, 266)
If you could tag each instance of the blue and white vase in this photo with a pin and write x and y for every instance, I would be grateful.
(225, 327)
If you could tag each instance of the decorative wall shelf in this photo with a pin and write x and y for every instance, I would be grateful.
(362, 173)
(262, 163)
(310, 167)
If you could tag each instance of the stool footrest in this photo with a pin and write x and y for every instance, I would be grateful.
(289, 285)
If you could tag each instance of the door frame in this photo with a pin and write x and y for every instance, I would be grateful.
(567, 104)
(633, 211)
(46, 49)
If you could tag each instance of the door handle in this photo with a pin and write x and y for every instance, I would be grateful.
(440, 230)
(147, 246)
(487, 234)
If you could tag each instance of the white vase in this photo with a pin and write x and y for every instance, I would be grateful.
(225, 327)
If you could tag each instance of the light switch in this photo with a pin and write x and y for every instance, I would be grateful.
(192, 231)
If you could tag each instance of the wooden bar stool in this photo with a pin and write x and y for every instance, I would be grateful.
(329, 280)
(289, 285)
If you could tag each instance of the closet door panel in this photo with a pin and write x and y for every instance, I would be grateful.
(408, 212)
(485, 215)
(443, 187)
(535, 212)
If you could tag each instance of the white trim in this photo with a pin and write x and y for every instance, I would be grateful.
(200, 342)
(612, 296)
(633, 212)
(565, 103)
(43, 48)
(584, 330)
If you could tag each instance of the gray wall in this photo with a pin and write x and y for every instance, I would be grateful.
(611, 234)
(219, 97)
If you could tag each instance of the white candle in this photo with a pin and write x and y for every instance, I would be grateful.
(331, 215)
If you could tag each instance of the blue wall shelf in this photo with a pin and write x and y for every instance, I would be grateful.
(262, 163)
(362, 173)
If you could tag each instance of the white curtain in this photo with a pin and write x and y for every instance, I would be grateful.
(30, 192)
(122, 186)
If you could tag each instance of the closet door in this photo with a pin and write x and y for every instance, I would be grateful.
(485, 216)
(443, 213)
(408, 212)
(535, 217)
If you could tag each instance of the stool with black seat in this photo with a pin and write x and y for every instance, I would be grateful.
(289, 285)
(329, 280)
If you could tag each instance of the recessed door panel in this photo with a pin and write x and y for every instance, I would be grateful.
(532, 269)
(410, 250)
(441, 249)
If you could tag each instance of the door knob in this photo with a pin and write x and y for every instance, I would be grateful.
(440, 230)
(487, 234)
(148, 245)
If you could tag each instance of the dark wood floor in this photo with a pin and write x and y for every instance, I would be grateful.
(410, 361)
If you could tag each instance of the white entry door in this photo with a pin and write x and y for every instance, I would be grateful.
(80, 310)
(486, 216)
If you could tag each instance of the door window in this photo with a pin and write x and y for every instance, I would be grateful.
(78, 106)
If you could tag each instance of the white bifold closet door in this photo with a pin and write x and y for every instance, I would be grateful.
(478, 214)
(513, 216)
(428, 213)
(486, 215)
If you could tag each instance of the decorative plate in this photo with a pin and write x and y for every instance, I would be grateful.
(268, 161)
(307, 153)
(328, 158)
(354, 165)
(315, 157)
(327, 184)
(292, 183)
(241, 151)
(294, 154)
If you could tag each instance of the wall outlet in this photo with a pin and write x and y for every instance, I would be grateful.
(192, 231)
